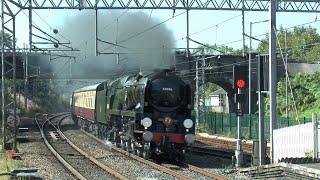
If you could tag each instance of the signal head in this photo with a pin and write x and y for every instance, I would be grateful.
(241, 84)
(240, 77)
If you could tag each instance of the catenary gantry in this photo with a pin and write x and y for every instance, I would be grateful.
(247, 5)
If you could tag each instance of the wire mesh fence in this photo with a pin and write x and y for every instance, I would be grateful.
(226, 124)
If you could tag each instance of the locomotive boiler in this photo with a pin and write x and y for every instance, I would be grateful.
(148, 115)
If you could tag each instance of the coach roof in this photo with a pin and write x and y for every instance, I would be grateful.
(89, 88)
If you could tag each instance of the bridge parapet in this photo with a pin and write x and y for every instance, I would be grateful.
(219, 70)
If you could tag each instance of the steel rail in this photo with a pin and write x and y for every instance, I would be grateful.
(204, 172)
(63, 161)
(55, 153)
(139, 159)
(225, 144)
(92, 159)
(212, 152)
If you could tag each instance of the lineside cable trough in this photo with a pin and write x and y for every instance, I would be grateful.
(281, 170)
(24, 172)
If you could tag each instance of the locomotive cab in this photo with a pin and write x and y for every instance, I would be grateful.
(167, 115)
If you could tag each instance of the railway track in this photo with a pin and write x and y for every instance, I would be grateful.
(194, 172)
(227, 144)
(204, 172)
(79, 163)
(221, 153)
(212, 151)
(175, 172)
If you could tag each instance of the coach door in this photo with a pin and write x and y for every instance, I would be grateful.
(101, 104)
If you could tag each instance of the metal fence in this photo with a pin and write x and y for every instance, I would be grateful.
(226, 124)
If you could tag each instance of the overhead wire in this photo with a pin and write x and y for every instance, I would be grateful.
(213, 68)
(105, 27)
(61, 35)
(285, 65)
(39, 29)
(207, 28)
(137, 34)
(263, 34)
(152, 27)
(64, 36)
(118, 17)
(146, 30)
(37, 26)
(287, 75)
(192, 74)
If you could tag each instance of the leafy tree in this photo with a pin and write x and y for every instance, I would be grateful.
(219, 49)
(209, 88)
(303, 43)
(47, 99)
(305, 89)
(7, 39)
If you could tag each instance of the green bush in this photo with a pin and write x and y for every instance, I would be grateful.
(305, 91)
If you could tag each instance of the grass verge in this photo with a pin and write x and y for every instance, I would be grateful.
(7, 165)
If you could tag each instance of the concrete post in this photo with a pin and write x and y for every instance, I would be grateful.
(315, 136)
(261, 130)
(272, 72)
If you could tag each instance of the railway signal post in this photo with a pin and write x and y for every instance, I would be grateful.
(263, 87)
(240, 84)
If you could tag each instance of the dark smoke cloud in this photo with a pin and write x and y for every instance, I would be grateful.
(147, 51)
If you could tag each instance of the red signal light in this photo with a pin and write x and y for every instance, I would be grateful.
(241, 84)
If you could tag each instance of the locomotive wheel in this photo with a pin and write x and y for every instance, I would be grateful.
(145, 154)
(180, 158)
(135, 152)
(146, 151)
(122, 143)
(96, 130)
(117, 139)
(138, 152)
(128, 145)
(132, 149)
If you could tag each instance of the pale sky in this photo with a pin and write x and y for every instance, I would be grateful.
(223, 34)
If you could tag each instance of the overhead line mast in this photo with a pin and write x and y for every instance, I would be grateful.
(272, 73)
